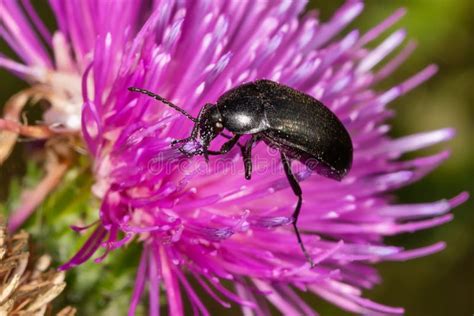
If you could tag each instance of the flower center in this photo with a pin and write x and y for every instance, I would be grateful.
(65, 99)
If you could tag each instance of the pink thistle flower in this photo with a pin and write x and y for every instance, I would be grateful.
(205, 222)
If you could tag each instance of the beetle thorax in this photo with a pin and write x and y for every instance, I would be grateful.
(243, 116)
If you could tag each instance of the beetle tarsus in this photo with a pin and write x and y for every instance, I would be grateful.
(180, 141)
(294, 218)
(184, 152)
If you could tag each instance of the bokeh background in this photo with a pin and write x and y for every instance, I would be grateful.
(442, 284)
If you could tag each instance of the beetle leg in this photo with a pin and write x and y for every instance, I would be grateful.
(184, 140)
(225, 135)
(182, 150)
(297, 191)
(205, 152)
(190, 154)
(226, 147)
(229, 137)
(247, 156)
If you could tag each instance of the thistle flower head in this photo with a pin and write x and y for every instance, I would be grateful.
(205, 221)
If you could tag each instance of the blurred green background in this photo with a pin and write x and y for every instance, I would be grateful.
(442, 284)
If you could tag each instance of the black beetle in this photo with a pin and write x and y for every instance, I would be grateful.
(296, 124)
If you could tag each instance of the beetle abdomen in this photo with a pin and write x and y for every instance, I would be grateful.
(306, 129)
(320, 163)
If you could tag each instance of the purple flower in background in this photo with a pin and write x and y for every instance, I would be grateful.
(54, 77)
(206, 222)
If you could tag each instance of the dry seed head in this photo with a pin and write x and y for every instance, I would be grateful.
(25, 288)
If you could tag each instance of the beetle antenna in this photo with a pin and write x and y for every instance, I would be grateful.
(163, 100)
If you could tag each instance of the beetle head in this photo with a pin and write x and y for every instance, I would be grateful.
(210, 125)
